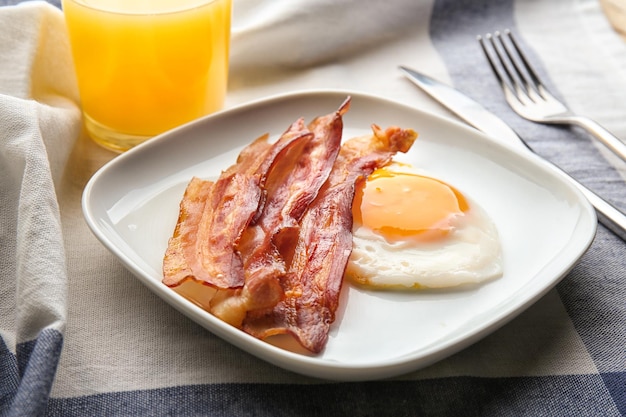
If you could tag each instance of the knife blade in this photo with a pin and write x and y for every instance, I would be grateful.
(474, 114)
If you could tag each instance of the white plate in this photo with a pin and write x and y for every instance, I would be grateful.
(545, 225)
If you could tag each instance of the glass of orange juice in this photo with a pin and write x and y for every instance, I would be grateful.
(146, 66)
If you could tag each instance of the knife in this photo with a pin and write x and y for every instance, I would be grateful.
(482, 119)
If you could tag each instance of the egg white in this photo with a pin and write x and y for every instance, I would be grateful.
(469, 254)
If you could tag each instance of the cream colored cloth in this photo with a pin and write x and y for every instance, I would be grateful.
(300, 33)
(39, 122)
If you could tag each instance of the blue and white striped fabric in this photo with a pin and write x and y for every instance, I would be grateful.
(80, 336)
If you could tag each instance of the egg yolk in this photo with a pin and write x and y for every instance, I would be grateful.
(401, 204)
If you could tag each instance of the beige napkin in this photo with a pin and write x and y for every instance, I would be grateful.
(39, 122)
(300, 33)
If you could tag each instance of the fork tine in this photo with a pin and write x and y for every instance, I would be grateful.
(508, 63)
(500, 75)
(512, 68)
(526, 79)
(528, 72)
(499, 66)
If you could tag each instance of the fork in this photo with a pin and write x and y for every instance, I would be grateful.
(528, 96)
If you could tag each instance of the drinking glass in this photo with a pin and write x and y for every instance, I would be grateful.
(146, 66)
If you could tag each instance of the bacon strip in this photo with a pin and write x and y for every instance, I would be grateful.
(175, 266)
(266, 246)
(206, 242)
(206, 237)
(315, 275)
(296, 179)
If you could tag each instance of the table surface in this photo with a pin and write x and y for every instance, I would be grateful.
(118, 349)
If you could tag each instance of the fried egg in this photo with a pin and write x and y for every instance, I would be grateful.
(414, 231)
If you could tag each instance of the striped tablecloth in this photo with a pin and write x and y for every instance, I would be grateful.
(79, 335)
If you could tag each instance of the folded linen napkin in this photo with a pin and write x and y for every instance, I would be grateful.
(39, 121)
(298, 33)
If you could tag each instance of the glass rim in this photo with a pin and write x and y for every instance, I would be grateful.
(141, 8)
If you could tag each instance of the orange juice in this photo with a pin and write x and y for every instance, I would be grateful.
(145, 66)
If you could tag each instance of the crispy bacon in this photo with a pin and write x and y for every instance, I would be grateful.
(315, 275)
(207, 236)
(266, 245)
(175, 266)
(235, 200)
